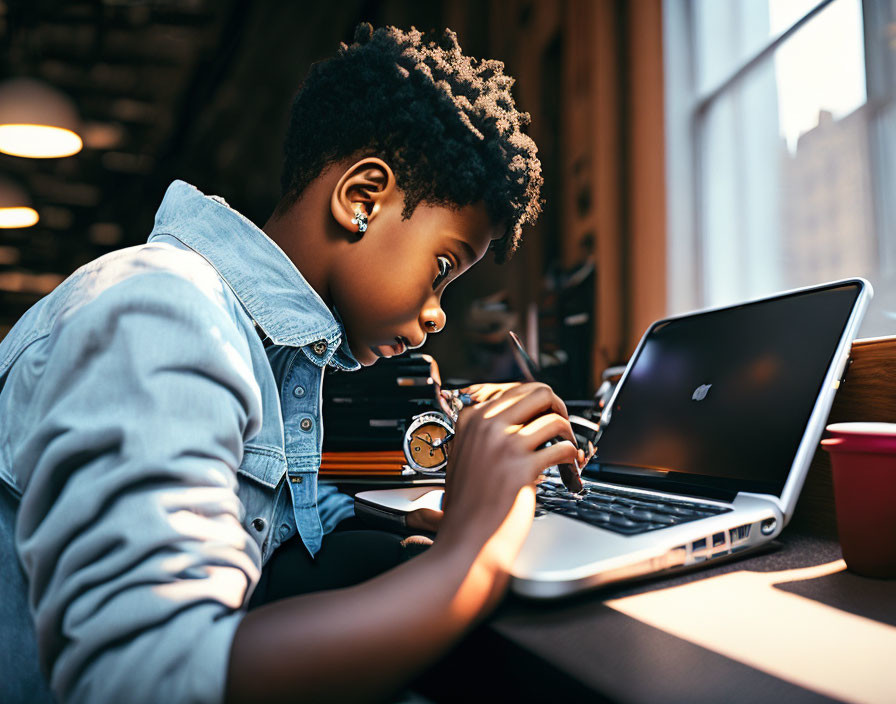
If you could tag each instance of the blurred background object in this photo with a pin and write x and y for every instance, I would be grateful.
(370, 409)
(695, 152)
(37, 121)
(200, 90)
(15, 206)
(366, 414)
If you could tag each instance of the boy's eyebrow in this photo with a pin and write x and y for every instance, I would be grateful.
(468, 250)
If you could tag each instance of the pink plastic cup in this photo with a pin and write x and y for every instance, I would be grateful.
(863, 458)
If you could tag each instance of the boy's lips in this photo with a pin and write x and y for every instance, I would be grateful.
(391, 350)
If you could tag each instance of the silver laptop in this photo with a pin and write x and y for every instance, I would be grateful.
(703, 448)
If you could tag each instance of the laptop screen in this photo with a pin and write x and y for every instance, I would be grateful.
(719, 401)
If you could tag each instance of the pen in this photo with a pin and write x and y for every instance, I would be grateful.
(569, 473)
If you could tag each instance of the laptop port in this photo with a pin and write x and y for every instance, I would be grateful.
(676, 556)
(739, 533)
(718, 539)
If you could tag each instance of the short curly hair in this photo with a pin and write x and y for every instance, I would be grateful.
(446, 123)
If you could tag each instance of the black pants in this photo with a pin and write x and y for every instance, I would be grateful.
(347, 556)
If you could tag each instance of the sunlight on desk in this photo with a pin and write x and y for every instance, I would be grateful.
(743, 616)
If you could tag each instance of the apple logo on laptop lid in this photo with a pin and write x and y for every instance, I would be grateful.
(700, 392)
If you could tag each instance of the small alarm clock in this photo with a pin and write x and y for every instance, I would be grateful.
(426, 441)
(427, 437)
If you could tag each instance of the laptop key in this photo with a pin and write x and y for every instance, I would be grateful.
(622, 521)
(633, 529)
(624, 511)
(676, 510)
(592, 514)
(600, 496)
(637, 503)
(599, 506)
(640, 514)
(664, 519)
(556, 503)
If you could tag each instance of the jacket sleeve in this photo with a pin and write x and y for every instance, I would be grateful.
(129, 527)
(333, 507)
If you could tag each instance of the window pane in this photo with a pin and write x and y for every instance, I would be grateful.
(881, 69)
(726, 34)
(821, 69)
(741, 190)
(729, 32)
(786, 194)
(782, 14)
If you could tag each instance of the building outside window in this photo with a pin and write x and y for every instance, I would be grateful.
(781, 149)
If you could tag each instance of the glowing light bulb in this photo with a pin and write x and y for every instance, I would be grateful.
(18, 217)
(37, 121)
(38, 141)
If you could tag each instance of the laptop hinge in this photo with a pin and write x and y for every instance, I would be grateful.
(665, 484)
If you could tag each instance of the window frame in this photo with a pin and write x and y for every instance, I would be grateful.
(685, 115)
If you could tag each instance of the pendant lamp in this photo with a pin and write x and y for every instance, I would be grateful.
(37, 121)
(15, 206)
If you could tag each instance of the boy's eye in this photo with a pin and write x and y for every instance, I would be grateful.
(445, 268)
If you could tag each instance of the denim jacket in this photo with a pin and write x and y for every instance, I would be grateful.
(154, 451)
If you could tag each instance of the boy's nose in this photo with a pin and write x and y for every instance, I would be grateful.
(432, 319)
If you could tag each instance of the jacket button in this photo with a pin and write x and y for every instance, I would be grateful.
(298, 391)
(306, 424)
(258, 524)
(319, 347)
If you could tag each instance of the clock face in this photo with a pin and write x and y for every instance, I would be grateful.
(420, 445)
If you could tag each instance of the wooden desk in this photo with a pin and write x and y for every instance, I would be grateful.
(788, 625)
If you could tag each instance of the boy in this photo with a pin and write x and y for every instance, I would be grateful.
(160, 410)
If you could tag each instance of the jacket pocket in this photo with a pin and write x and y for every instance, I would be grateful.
(265, 465)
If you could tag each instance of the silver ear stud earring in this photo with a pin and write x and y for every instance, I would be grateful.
(360, 220)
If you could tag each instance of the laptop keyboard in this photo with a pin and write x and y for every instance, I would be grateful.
(618, 510)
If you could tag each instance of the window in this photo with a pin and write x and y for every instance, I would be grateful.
(781, 138)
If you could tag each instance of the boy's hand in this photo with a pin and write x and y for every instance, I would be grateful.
(495, 460)
(426, 519)
(483, 392)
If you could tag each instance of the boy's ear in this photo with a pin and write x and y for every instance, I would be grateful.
(364, 186)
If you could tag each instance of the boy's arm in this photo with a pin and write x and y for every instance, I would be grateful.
(129, 525)
(363, 642)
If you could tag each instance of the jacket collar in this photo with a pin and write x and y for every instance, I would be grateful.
(272, 290)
